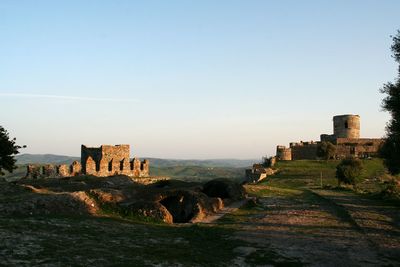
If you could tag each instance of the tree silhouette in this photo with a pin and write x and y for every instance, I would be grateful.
(390, 150)
(8, 149)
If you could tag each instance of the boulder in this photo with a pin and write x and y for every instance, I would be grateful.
(225, 189)
(189, 205)
(150, 209)
(107, 195)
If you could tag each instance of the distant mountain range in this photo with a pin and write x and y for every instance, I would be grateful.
(154, 162)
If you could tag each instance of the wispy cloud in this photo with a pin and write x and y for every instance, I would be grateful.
(66, 97)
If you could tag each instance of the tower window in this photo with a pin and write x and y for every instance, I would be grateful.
(346, 125)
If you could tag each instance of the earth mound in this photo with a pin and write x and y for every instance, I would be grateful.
(168, 201)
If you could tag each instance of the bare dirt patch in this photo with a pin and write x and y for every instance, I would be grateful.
(302, 228)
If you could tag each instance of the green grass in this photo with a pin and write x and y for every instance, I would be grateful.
(106, 242)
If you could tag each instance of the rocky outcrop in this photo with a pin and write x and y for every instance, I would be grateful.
(148, 209)
(225, 189)
(167, 201)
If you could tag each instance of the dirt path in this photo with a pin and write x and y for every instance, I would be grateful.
(302, 228)
(225, 210)
(379, 223)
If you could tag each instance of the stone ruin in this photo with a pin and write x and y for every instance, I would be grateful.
(345, 137)
(103, 161)
(260, 171)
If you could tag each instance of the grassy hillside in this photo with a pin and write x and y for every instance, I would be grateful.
(198, 173)
(307, 173)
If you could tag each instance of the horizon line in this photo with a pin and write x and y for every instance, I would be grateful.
(66, 97)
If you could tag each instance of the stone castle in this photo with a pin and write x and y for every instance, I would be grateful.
(103, 161)
(345, 137)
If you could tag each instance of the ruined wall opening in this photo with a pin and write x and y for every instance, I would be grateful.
(131, 164)
(121, 165)
(346, 125)
(110, 166)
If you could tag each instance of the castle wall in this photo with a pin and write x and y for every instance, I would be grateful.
(283, 153)
(362, 147)
(304, 151)
(328, 138)
(116, 153)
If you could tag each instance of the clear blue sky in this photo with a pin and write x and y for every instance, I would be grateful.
(191, 79)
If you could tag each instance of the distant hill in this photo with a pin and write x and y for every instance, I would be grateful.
(155, 162)
(45, 158)
(231, 163)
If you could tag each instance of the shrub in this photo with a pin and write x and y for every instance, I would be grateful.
(348, 171)
(391, 190)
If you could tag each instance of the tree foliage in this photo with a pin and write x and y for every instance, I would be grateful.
(326, 150)
(348, 171)
(390, 150)
(8, 149)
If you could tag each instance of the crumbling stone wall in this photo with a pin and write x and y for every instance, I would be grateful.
(258, 173)
(36, 171)
(100, 161)
(63, 170)
(33, 171)
(109, 160)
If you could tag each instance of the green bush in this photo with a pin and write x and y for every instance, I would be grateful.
(391, 190)
(348, 170)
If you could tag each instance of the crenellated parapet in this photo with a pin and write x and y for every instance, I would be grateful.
(134, 167)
